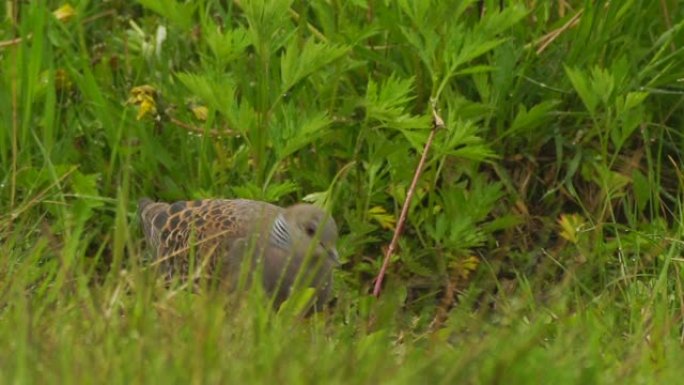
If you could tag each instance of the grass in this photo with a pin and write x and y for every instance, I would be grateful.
(542, 245)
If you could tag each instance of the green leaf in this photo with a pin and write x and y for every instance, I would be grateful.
(320, 199)
(462, 141)
(495, 23)
(267, 21)
(379, 214)
(414, 265)
(178, 13)
(388, 102)
(218, 94)
(85, 185)
(271, 193)
(634, 99)
(583, 87)
(275, 191)
(297, 130)
(630, 112)
(641, 188)
(298, 302)
(298, 63)
(226, 45)
(470, 50)
(603, 84)
(535, 117)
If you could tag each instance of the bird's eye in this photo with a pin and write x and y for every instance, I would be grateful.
(310, 230)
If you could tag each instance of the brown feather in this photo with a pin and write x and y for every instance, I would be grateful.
(220, 229)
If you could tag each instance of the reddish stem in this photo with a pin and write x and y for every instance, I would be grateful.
(438, 123)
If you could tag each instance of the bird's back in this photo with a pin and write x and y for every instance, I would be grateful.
(173, 230)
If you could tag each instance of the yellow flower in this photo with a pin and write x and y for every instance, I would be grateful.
(145, 98)
(200, 112)
(64, 13)
(570, 227)
(379, 214)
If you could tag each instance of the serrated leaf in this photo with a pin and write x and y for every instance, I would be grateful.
(178, 13)
(570, 225)
(495, 23)
(301, 133)
(271, 193)
(388, 104)
(320, 199)
(248, 191)
(275, 191)
(602, 84)
(298, 63)
(534, 117)
(634, 99)
(218, 94)
(463, 141)
(85, 184)
(380, 215)
(389, 99)
(582, 85)
(463, 267)
(415, 266)
(470, 263)
(471, 50)
(226, 45)
(266, 19)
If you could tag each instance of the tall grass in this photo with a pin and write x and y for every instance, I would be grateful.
(543, 243)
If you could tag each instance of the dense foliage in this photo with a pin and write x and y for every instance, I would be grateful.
(542, 242)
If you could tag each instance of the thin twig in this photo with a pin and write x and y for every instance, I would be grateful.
(550, 37)
(13, 42)
(97, 16)
(668, 21)
(436, 124)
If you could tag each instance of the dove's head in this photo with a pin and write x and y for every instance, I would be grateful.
(307, 226)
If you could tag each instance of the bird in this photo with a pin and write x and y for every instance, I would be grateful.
(294, 246)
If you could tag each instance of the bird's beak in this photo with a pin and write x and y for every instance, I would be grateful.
(332, 253)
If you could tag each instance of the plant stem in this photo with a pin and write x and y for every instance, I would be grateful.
(437, 123)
